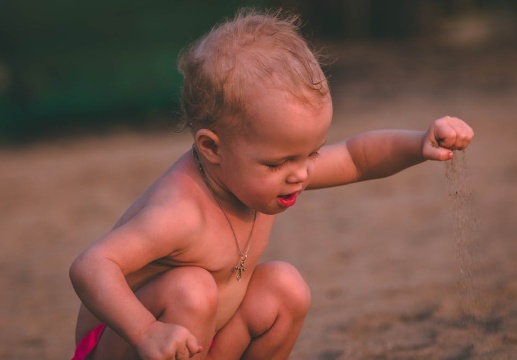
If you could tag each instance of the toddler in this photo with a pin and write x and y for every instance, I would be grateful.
(179, 275)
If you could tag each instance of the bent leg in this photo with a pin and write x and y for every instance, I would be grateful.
(270, 317)
(185, 296)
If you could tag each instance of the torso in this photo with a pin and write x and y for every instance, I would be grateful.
(217, 253)
(214, 250)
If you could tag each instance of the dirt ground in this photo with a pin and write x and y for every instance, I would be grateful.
(392, 276)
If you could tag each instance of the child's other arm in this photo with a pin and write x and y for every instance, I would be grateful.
(99, 277)
(382, 153)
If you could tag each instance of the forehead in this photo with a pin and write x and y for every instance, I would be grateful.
(279, 122)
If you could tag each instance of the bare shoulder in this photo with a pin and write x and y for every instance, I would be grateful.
(172, 207)
(163, 221)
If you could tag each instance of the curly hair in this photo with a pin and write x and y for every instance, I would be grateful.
(252, 49)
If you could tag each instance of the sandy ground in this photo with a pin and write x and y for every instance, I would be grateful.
(389, 275)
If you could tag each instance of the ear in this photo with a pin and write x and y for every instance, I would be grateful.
(207, 143)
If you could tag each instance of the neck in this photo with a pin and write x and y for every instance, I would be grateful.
(225, 199)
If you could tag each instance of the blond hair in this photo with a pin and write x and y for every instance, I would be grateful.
(253, 49)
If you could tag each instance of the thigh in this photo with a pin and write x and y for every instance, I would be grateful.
(274, 287)
(185, 296)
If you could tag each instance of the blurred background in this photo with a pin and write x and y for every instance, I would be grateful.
(88, 90)
(68, 66)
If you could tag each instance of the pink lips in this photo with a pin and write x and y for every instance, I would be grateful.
(287, 200)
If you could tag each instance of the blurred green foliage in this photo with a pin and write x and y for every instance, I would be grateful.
(68, 64)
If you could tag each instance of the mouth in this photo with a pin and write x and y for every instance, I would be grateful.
(287, 200)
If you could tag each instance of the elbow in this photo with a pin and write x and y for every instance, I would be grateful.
(75, 272)
(87, 267)
(80, 270)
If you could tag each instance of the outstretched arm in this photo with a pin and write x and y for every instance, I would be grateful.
(382, 153)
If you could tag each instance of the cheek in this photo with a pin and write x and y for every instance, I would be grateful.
(311, 167)
(263, 184)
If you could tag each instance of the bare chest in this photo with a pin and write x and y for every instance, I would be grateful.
(221, 253)
(229, 253)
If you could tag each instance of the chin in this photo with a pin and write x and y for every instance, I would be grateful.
(276, 211)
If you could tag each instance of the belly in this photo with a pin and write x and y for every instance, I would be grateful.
(230, 297)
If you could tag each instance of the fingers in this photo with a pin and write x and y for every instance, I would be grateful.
(193, 347)
(188, 352)
(437, 153)
(452, 133)
(188, 349)
(446, 134)
(181, 355)
(168, 341)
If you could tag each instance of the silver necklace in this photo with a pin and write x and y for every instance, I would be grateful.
(243, 254)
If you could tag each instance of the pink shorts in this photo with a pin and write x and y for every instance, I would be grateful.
(88, 343)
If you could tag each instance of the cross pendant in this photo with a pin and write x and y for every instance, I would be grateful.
(241, 268)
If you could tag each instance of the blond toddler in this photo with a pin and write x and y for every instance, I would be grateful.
(179, 275)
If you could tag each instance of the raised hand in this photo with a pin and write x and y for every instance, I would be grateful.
(443, 136)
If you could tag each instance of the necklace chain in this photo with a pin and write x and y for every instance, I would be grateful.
(243, 254)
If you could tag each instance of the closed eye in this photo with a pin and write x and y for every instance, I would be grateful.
(314, 155)
(278, 166)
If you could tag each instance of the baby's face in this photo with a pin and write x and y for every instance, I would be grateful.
(270, 166)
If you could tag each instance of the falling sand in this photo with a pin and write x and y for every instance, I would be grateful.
(464, 227)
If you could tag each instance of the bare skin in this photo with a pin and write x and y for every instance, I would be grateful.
(163, 279)
(179, 216)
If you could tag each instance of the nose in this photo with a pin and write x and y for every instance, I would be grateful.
(299, 173)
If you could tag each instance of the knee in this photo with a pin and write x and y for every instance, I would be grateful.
(287, 285)
(190, 289)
